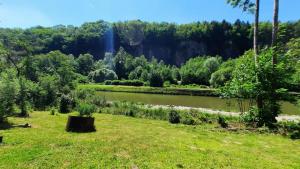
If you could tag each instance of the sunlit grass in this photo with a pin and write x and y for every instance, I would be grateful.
(124, 142)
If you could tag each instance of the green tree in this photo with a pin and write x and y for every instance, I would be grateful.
(102, 75)
(119, 62)
(85, 64)
(8, 94)
(156, 79)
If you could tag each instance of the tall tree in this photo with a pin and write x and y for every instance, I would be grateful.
(255, 37)
(251, 7)
(275, 27)
(247, 5)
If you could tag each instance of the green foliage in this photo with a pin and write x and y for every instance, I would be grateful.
(243, 83)
(251, 117)
(222, 122)
(246, 5)
(293, 55)
(52, 111)
(223, 74)
(198, 70)
(98, 101)
(156, 79)
(45, 92)
(85, 64)
(295, 135)
(66, 103)
(251, 82)
(161, 40)
(8, 94)
(174, 117)
(124, 82)
(119, 62)
(189, 118)
(102, 75)
(86, 109)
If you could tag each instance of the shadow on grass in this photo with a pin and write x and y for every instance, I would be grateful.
(7, 125)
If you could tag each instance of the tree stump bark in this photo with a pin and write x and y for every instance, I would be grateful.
(80, 124)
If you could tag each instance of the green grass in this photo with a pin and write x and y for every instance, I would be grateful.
(153, 90)
(124, 142)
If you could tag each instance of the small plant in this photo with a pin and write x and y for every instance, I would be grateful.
(222, 122)
(86, 109)
(52, 111)
(189, 118)
(250, 117)
(98, 101)
(174, 117)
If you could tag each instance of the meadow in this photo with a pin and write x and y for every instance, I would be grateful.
(126, 142)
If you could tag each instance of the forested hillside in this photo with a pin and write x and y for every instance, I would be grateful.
(172, 43)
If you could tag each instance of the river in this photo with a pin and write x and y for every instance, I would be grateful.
(214, 103)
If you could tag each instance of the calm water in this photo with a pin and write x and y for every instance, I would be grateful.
(191, 101)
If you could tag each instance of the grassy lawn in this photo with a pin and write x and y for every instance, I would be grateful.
(124, 142)
(153, 90)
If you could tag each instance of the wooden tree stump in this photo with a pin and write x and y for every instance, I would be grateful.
(80, 124)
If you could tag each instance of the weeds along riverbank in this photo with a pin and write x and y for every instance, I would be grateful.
(152, 90)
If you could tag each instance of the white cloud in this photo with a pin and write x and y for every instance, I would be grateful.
(22, 17)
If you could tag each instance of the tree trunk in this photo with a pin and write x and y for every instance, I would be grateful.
(259, 101)
(255, 37)
(275, 28)
(274, 58)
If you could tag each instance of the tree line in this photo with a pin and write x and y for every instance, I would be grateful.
(172, 43)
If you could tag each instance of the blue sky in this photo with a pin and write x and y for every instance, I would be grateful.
(28, 13)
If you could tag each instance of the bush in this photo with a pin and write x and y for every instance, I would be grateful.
(295, 135)
(190, 118)
(86, 109)
(52, 111)
(250, 117)
(124, 82)
(156, 80)
(174, 117)
(222, 122)
(66, 104)
(103, 74)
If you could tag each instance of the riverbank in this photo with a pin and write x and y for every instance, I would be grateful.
(283, 117)
(152, 90)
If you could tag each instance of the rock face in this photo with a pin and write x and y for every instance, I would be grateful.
(176, 53)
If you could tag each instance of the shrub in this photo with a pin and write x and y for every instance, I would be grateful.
(66, 103)
(52, 111)
(86, 109)
(250, 117)
(156, 79)
(124, 82)
(101, 75)
(222, 122)
(190, 118)
(295, 135)
(174, 117)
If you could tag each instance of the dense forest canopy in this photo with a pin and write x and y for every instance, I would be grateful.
(172, 43)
